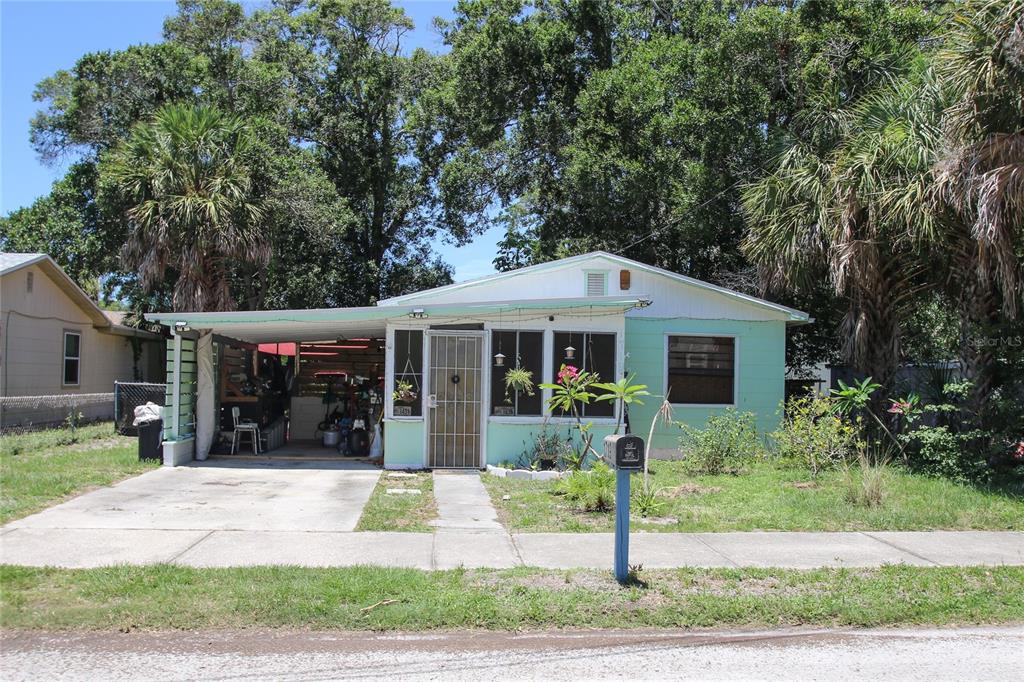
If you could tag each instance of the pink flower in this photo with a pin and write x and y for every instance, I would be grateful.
(1020, 451)
(900, 407)
(567, 373)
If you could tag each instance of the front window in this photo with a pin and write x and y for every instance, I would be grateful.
(701, 370)
(519, 351)
(72, 357)
(590, 352)
(408, 395)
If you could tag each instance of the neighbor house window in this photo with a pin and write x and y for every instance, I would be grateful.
(524, 350)
(408, 397)
(591, 352)
(72, 357)
(701, 370)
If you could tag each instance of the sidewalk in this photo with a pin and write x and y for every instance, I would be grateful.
(450, 548)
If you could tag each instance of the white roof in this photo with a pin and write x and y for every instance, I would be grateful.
(795, 316)
(9, 262)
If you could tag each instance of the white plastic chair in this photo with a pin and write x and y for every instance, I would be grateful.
(249, 427)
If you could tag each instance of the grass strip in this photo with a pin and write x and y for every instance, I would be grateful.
(406, 511)
(770, 496)
(42, 468)
(174, 597)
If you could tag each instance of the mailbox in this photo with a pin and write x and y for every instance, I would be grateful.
(624, 452)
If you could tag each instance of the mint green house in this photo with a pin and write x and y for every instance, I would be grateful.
(437, 359)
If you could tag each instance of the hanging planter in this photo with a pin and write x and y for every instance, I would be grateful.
(518, 380)
(404, 392)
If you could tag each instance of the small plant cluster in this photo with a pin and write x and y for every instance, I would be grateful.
(814, 434)
(590, 491)
(727, 442)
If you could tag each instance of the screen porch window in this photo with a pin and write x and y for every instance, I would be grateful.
(701, 370)
(72, 358)
(592, 352)
(408, 394)
(525, 350)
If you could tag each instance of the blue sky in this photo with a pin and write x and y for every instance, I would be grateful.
(39, 37)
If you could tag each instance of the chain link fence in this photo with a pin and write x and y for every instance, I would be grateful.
(32, 412)
(128, 396)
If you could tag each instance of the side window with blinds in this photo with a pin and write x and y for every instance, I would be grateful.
(524, 350)
(589, 352)
(408, 395)
(701, 370)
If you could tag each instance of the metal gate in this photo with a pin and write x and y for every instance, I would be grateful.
(456, 387)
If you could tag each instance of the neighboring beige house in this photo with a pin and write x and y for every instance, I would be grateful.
(55, 341)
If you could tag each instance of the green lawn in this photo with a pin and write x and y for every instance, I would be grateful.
(42, 468)
(377, 598)
(402, 512)
(768, 497)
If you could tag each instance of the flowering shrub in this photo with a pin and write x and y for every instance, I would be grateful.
(572, 389)
(815, 434)
(724, 445)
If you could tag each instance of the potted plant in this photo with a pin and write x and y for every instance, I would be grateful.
(404, 392)
(518, 380)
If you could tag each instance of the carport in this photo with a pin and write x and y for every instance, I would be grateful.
(418, 379)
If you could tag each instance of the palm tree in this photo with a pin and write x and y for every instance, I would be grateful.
(184, 177)
(844, 204)
(979, 176)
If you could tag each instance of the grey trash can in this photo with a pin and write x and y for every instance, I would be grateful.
(150, 439)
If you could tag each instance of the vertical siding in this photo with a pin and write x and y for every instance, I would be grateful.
(187, 420)
(761, 365)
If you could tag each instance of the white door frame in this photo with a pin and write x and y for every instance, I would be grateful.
(485, 379)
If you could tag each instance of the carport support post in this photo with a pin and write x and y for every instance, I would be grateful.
(176, 387)
(621, 524)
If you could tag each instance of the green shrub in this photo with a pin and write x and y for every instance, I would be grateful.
(647, 501)
(814, 434)
(592, 490)
(724, 445)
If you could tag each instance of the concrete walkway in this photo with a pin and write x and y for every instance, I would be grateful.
(238, 514)
(463, 503)
(450, 548)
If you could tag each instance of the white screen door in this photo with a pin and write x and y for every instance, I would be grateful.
(456, 388)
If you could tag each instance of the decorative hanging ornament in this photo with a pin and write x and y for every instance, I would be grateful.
(570, 353)
(499, 360)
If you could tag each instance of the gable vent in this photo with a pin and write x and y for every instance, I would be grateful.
(596, 283)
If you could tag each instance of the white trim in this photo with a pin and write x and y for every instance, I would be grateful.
(176, 387)
(618, 363)
(490, 369)
(65, 357)
(389, 375)
(735, 369)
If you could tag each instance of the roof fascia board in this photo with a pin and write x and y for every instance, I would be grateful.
(384, 313)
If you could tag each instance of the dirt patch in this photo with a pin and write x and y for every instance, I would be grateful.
(591, 581)
(692, 489)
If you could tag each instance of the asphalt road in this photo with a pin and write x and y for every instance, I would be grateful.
(793, 654)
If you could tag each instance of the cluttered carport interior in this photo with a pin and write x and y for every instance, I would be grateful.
(302, 400)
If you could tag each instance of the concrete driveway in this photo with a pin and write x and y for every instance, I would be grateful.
(161, 514)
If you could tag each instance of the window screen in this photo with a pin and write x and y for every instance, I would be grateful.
(701, 369)
(593, 353)
(408, 370)
(523, 349)
(72, 357)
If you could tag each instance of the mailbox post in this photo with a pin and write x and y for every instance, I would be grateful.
(626, 453)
